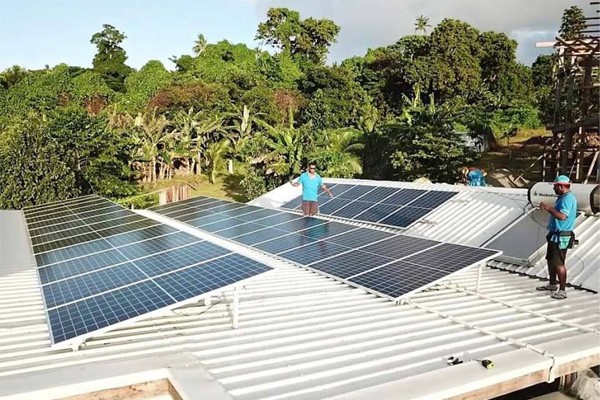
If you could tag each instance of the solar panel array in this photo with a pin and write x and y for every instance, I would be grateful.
(100, 264)
(389, 206)
(390, 265)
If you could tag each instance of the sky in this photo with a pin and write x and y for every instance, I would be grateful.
(35, 33)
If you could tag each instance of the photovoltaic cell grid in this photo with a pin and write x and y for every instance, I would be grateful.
(394, 207)
(100, 264)
(390, 265)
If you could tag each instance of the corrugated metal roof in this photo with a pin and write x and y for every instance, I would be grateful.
(304, 336)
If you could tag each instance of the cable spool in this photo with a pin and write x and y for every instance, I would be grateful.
(588, 196)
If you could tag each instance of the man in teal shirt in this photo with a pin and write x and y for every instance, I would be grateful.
(311, 182)
(560, 235)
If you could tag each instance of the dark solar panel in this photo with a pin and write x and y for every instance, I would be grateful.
(397, 279)
(326, 230)
(399, 246)
(180, 257)
(156, 245)
(295, 225)
(260, 236)
(333, 205)
(80, 265)
(433, 199)
(139, 235)
(260, 214)
(404, 197)
(313, 252)
(353, 209)
(106, 309)
(377, 213)
(405, 216)
(67, 253)
(379, 194)
(349, 264)
(284, 243)
(239, 230)
(450, 257)
(82, 286)
(356, 192)
(194, 281)
(359, 237)
(276, 219)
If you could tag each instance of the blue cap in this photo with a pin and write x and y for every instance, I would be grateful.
(562, 179)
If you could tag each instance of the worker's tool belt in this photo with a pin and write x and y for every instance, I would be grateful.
(564, 234)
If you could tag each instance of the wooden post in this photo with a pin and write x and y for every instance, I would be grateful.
(591, 169)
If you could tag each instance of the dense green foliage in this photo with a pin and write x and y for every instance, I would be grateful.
(393, 113)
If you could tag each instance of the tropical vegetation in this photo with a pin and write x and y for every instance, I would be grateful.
(399, 112)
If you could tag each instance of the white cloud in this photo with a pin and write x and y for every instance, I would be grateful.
(373, 23)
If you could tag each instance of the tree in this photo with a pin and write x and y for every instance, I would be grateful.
(422, 24)
(498, 55)
(199, 45)
(11, 76)
(455, 53)
(215, 157)
(32, 168)
(98, 156)
(336, 153)
(427, 145)
(142, 85)
(110, 59)
(573, 23)
(306, 41)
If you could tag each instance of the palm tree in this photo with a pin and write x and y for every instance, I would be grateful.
(149, 131)
(337, 153)
(239, 132)
(214, 156)
(199, 45)
(286, 153)
(422, 24)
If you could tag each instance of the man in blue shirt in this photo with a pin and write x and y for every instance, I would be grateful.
(311, 182)
(474, 176)
(560, 235)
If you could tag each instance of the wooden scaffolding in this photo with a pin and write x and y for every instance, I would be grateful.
(575, 146)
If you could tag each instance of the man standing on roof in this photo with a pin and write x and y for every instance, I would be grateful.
(560, 236)
(311, 182)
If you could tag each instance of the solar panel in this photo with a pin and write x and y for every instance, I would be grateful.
(260, 236)
(394, 207)
(81, 265)
(405, 216)
(313, 252)
(350, 263)
(352, 209)
(359, 237)
(399, 246)
(356, 192)
(332, 205)
(398, 278)
(239, 230)
(284, 243)
(451, 257)
(380, 262)
(404, 197)
(97, 274)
